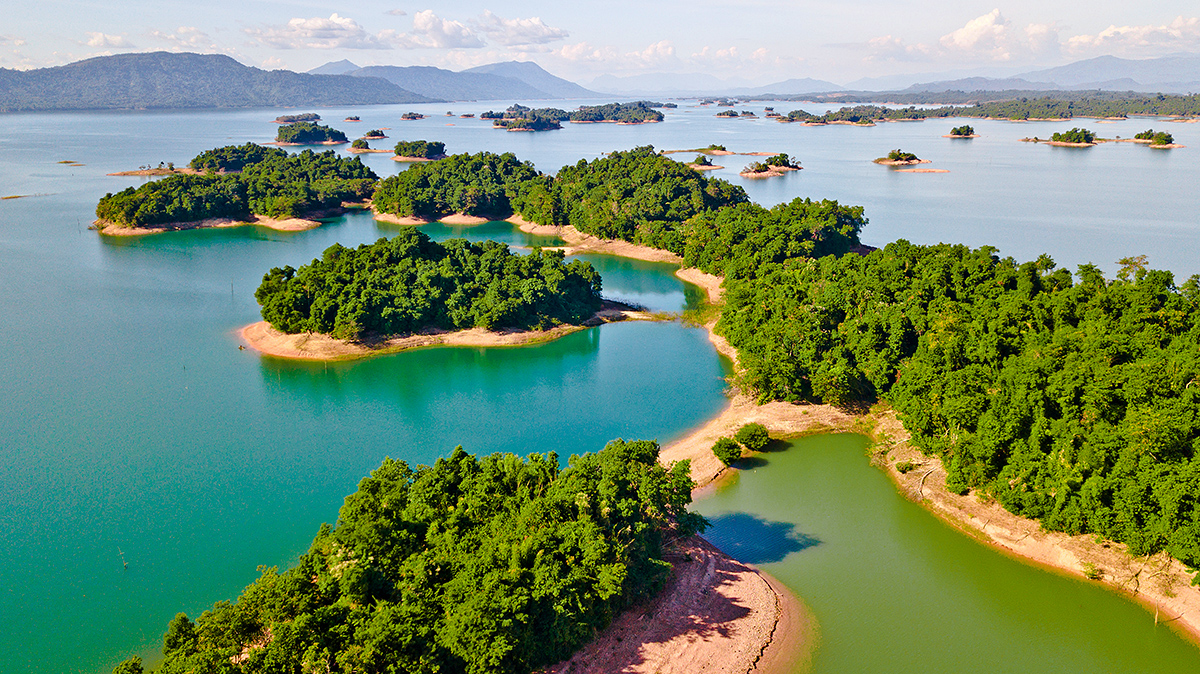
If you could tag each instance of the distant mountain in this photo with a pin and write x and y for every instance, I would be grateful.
(792, 87)
(448, 85)
(703, 84)
(983, 84)
(170, 80)
(334, 68)
(532, 74)
(1166, 69)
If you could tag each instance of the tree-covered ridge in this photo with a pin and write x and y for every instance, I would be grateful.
(232, 158)
(630, 113)
(471, 566)
(1016, 109)
(300, 117)
(307, 133)
(426, 149)
(638, 195)
(271, 183)
(1073, 403)
(409, 283)
(475, 184)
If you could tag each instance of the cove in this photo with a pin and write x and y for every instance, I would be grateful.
(893, 589)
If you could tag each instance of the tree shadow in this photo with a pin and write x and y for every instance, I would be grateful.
(754, 540)
(749, 462)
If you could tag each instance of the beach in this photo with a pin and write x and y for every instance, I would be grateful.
(285, 225)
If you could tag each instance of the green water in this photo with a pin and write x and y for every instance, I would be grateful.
(893, 589)
(131, 423)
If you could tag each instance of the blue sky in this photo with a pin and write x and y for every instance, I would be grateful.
(756, 40)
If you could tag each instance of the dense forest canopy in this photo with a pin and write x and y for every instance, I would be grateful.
(1073, 403)
(964, 130)
(301, 117)
(474, 184)
(409, 283)
(271, 182)
(1076, 135)
(426, 149)
(492, 565)
(629, 113)
(307, 133)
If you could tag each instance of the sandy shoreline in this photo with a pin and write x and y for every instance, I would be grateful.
(577, 242)
(405, 158)
(901, 162)
(415, 220)
(159, 172)
(268, 341)
(773, 172)
(109, 228)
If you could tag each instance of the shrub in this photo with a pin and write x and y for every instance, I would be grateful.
(905, 466)
(360, 144)
(727, 450)
(1075, 135)
(900, 155)
(753, 437)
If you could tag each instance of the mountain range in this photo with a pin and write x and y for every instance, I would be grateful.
(513, 80)
(173, 80)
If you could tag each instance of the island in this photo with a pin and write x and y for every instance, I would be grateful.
(703, 163)
(352, 118)
(302, 117)
(308, 133)
(1076, 137)
(476, 188)
(728, 114)
(771, 167)
(1158, 140)
(637, 112)
(361, 146)
(419, 150)
(412, 116)
(964, 131)
(235, 185)
(469, 115)
(374, 134)
(900, 158)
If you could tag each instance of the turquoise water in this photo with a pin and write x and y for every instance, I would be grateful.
(893, 589)
(132, 425)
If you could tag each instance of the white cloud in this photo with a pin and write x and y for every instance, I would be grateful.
(186, 38)
(104, 40)
(1182, 34)
(986, 38)
(890, 48)
(9, 39)
(430, 31)
(512, 32)
(336, 32)
(396, 12)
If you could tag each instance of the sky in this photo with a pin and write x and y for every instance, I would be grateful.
(749, 41)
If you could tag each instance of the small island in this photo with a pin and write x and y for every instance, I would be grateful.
(964, 131)
(703, 163)
(771, 167)
(1076, 137)
(1158, 140)
(900, 158)
(236, 185)
(302, 117)
(352, 118)
(397, 293)
(374, 134)
(419, 150)
(308, 133)
(411, 116)
(728, 114)
(637, 112)
(361, 146)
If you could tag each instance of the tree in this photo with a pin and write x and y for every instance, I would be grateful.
(727, 450)
(753, 437)
(131, 666)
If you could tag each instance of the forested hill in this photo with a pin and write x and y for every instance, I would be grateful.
(167, 80)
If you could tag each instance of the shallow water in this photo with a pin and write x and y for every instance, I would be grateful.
(893, 589)
(133, 428)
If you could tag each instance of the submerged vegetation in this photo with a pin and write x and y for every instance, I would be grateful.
(409, 283)
(476, 564)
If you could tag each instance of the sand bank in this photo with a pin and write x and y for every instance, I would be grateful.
(267, 340)
(324, 142)
(950, 135)
(109, 228)
(715, 615)
(411, 220)
(883, 161)
(773, 172)
(578, 242)
(367, 150)
(1059, 143)
(704, 167)
(158, 172)
(1167, 146)
(922, 170)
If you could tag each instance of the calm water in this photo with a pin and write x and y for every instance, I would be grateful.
(895, 590)
(133, 426)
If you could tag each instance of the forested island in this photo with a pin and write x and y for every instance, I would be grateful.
(900, 158)
(410, 283)
(482, 184)
(776, 165)
(964, 131)
(239, 182)
(410, 150)
(521, 118)
(638, 112)
(476, 564)
(300, 117)
(308, 133)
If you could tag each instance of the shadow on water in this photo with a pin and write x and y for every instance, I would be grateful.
(756, 540)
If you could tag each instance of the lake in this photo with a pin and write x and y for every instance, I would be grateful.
(134, 430)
